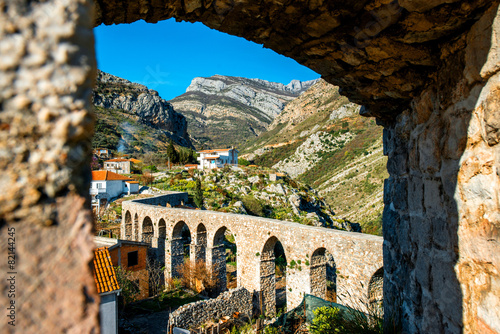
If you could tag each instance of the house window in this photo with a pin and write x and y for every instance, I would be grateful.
(98, 185)
(132, 258)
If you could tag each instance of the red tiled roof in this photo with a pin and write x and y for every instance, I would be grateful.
(118, 160)
(104, 273)
(132, 181)
(191, 165)
(106, 175)
(211, 158)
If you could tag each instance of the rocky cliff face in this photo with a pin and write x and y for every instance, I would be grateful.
(224, 111)
(320, 139)
(145, 105)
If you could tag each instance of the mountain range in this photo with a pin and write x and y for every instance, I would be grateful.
(305, 129)
(225, 111)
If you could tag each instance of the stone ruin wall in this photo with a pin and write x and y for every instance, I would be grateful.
(442, 199)
(195, 314)
(357, 256)
(47, 71)
(443, 147)
(173, 199)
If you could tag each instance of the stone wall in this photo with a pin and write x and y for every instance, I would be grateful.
(173, 198)
(195, 314)
(442, 208)
(357, 256)
(427, 69)
(47, 70)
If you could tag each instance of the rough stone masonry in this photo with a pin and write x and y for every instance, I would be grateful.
(357, 256)
(195, 314)
(428, 70)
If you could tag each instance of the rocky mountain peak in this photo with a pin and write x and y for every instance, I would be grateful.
(224, 110)
(115, 93)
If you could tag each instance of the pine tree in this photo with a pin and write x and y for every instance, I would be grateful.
(198, 194)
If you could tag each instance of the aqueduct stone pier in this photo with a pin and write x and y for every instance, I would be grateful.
(428, 70)
(358, 257)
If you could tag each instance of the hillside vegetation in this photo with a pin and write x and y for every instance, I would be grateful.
(253, 191)
(321, 140)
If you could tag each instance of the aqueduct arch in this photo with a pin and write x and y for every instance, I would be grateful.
(428, 70)
(359, 255)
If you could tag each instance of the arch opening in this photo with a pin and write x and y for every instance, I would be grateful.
(323, 276)
(162, 234)
(128, 225)
(272, 277)
(224, 259)
(147, 231)
(179, 249)
(200, 246)
(376, 290)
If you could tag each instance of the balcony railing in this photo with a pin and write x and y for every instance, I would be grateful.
(95, 191)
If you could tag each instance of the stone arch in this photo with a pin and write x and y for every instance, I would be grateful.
(268, 276)
(162, 234)
(135, 228)
(128, 225)
(322, 273)
(147, 232)
(218, 260)
(200, 243)
(179, 246)
(375, 289)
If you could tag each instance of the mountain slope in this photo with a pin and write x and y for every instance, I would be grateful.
(225, 111)
(321, 140)
(132, 118)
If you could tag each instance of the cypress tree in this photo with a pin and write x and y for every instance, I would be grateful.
(198, 194)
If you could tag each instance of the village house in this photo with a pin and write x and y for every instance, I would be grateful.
(217, 158)
(131, 257)
(108, 289)
(102, 153)
(118, 165)
(111, 185)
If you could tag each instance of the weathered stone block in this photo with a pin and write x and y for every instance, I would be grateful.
(415, 194)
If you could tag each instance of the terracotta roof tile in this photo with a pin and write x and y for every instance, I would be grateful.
(104, 273)
(106, 175)
(118, 160)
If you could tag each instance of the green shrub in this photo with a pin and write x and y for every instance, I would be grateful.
(253, 206)
(327, 320)
(333, 320)
(243, 162)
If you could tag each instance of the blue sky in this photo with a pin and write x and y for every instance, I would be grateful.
(167, 55)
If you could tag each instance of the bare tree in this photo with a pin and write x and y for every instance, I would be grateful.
(156, 276)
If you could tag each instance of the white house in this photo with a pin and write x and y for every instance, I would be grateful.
(217, 158)
(120, 166)
(111, 185)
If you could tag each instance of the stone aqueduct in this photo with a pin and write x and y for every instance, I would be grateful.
(358, 257)
(428, 70)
